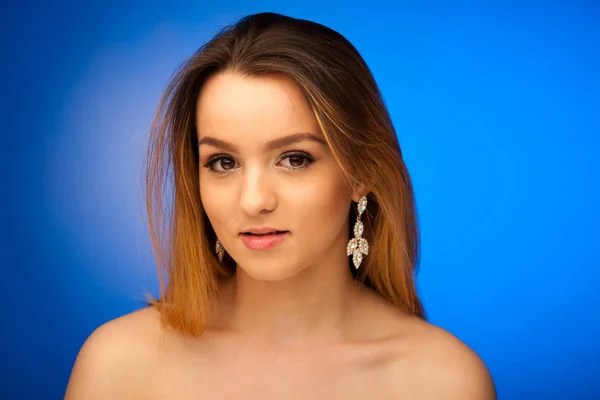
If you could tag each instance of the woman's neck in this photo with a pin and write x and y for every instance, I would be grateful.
(314, 302)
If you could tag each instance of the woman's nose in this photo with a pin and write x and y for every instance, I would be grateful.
(257, 194)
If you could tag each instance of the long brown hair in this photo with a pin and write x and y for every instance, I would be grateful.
(355, 122)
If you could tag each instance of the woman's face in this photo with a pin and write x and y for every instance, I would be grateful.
(251, 177)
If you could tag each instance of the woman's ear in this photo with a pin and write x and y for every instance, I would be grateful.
(359, 192)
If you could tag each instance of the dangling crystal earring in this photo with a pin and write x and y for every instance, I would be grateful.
(219, 250)
(358, 245)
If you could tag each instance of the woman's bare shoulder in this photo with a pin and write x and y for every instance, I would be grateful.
(441, 364)
(117, 357)
(427, 361)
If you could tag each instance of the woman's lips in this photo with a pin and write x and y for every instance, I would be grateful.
(263, 242)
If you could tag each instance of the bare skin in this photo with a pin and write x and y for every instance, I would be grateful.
(383, 354)
(292, 323)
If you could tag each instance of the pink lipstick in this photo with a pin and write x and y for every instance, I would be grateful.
(263, 241)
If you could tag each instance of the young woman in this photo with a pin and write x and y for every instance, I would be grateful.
(289, 240)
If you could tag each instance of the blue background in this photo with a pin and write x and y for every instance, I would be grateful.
(497, 107)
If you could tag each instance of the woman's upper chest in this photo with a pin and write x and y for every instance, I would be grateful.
(247, 373)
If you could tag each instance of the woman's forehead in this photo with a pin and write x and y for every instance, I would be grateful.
(233, 106)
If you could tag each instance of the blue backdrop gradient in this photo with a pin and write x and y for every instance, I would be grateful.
(497, 108)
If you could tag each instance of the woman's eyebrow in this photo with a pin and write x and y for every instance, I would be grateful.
(269, 146)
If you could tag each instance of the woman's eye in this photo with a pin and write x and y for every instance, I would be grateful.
(226, 164)
(296, 160)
